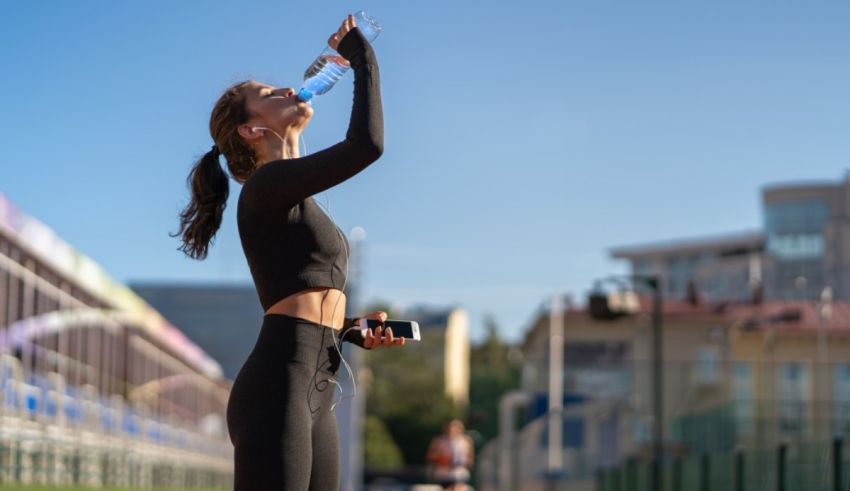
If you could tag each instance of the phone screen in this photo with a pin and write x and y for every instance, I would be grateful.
(401, 329)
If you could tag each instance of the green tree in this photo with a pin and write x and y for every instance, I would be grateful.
(495, 370)
(407, 392)
(381, 451)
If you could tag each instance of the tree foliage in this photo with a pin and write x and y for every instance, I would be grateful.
(407, 392)
(381, 451)
(407, 389)
(495, 370)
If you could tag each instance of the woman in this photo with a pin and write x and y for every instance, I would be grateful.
(279, 413)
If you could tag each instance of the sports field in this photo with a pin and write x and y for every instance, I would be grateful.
(17, 487)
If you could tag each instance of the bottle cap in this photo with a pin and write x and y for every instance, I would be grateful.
(304, 95)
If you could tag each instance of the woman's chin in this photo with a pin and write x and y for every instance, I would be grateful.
(298, 114)
(303, 111)
(307, 109)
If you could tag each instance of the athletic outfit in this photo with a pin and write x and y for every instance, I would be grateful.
(278, 414)
(451, 458)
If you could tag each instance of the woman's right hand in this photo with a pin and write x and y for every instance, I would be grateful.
(347, 25)
(374, 338)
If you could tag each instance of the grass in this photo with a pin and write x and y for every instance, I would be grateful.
(20, 487)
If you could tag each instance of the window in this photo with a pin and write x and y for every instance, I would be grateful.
(4, 295)
(640, 431)
(793, 394)
(708, 362)
(37, 300)
(794, 230)
(14, 299)
(642, 266)
(27, 298)
(742, 395)
(841, 391)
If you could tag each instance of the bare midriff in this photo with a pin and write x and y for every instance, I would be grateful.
(313, 304)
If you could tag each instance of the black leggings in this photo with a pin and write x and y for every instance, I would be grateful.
(279, 413)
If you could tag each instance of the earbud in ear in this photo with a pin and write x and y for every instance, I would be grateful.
(267, 129)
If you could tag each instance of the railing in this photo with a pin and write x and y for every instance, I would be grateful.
(56, 434)
(812, 466)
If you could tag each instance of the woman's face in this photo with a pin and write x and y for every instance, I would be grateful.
(276, 107)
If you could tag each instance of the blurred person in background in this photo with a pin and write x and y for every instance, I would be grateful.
(452, 454)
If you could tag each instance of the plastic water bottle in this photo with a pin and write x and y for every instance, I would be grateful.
(329, 66)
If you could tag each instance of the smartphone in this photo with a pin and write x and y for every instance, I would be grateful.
(401, 329)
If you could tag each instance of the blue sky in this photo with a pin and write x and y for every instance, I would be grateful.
(522, 139)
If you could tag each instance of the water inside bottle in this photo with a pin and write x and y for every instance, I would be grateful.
(338, 65)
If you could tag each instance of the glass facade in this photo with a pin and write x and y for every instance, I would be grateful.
(680, 271)
(794, 230)
(794, 241)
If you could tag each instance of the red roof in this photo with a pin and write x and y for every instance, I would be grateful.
(782, 314)
(797, 314)
(786, 315)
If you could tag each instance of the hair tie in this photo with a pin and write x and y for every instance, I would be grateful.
(216, 152)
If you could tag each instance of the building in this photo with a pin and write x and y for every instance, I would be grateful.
(807, 239)
(719, 268)
(734, 376)
(446, 332)
(96, 387)
(224, 320)
(781, 373)
(803, 247)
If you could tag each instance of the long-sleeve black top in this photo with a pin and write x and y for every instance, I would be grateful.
(289, 242)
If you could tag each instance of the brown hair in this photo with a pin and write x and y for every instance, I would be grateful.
(201, 218)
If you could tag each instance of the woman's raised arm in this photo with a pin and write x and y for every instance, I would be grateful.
(280, 184)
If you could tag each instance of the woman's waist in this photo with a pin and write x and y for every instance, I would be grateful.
(321, 305)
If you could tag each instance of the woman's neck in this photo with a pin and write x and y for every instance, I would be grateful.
(277, 147)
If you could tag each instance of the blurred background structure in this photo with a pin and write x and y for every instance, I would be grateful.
(104, 384)
(802, 248)
(755, 367)
(97, 387)
(534, 152)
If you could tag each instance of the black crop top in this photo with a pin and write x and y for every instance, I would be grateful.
(289, 242)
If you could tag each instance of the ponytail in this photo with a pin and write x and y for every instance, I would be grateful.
(209, 183)
(201, 218)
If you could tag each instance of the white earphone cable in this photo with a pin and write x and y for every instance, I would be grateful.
(344, 282)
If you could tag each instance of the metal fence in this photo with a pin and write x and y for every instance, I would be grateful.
(55, 434)
(812, 466)
(87, 459)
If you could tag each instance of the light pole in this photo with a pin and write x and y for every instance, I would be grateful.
(654, 283)
(556, 389)
(658, 389)
(824, 316)
(507, 462)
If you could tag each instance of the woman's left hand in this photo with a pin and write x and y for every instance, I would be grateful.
(374, 339)
(348, 24)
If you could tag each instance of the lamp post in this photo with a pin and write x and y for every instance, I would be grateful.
(654, 283)
(822, 365)
(555, 460)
